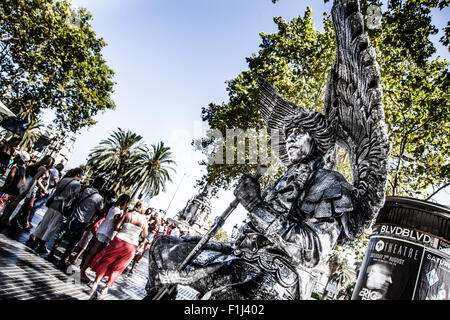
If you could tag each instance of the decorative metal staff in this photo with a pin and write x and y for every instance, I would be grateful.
(220, 220)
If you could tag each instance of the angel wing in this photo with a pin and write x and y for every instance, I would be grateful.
(274, 108)
(353, 105)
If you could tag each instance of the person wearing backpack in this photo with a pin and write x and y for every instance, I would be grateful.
(87, 239)
(89, 204)
(53, 218)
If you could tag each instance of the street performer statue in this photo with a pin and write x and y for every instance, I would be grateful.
(295, 224)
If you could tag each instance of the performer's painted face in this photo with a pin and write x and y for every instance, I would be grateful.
(298, 145)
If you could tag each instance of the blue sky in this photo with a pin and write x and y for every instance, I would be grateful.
(171, 58)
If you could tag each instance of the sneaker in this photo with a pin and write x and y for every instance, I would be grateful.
(70, 270)
(30, 243)
(41, 249)
(50, 258)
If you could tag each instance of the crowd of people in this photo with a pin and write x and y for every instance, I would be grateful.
(102, 230)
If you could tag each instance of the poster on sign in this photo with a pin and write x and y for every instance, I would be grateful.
(434, 278)
(382, 273)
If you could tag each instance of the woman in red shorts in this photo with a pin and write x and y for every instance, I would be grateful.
(112, 260)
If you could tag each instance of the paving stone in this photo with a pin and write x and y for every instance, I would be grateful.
(25, 275)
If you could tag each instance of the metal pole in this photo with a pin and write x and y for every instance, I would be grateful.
(167, 210)
(220, 220)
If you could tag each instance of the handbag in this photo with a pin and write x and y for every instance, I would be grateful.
(94, 226)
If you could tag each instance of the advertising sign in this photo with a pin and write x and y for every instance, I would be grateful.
(384, 269)
(408, 257)
(434, 278)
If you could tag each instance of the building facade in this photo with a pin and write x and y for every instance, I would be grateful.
(194, 217)
(61, 146)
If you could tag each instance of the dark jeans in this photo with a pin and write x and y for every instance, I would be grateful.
(73, 232)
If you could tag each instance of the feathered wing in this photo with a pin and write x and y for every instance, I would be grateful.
(274, 108)
(353, 106)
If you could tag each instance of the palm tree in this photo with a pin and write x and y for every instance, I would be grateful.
(339, 271)
(343, 277)
(113, 156)
(28, 114)
(32, 133)
(149, 171)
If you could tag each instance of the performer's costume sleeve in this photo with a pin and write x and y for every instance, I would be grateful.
(307, 235)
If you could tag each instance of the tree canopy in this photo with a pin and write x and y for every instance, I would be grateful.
(296, 61)
(50, 58)
(416, 97)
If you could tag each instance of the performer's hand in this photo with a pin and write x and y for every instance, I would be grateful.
(248, 192)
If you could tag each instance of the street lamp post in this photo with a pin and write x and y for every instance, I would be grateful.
(167, 210)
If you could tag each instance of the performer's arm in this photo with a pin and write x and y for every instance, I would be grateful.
(304, 242)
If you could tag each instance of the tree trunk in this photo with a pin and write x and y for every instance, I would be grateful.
(136, 191)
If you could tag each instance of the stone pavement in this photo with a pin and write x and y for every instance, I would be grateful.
(26, 275)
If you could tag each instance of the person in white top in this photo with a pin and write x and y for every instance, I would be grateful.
(113, 259)
(144, 243)
(104, 233)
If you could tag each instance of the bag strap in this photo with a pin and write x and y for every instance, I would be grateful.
(85, 198)
(59, 193)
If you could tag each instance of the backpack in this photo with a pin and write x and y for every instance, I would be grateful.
(69, 206)
(55, 201)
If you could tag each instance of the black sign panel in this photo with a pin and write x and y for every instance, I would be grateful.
(15, 124)
(385, 266)
(434, 278)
